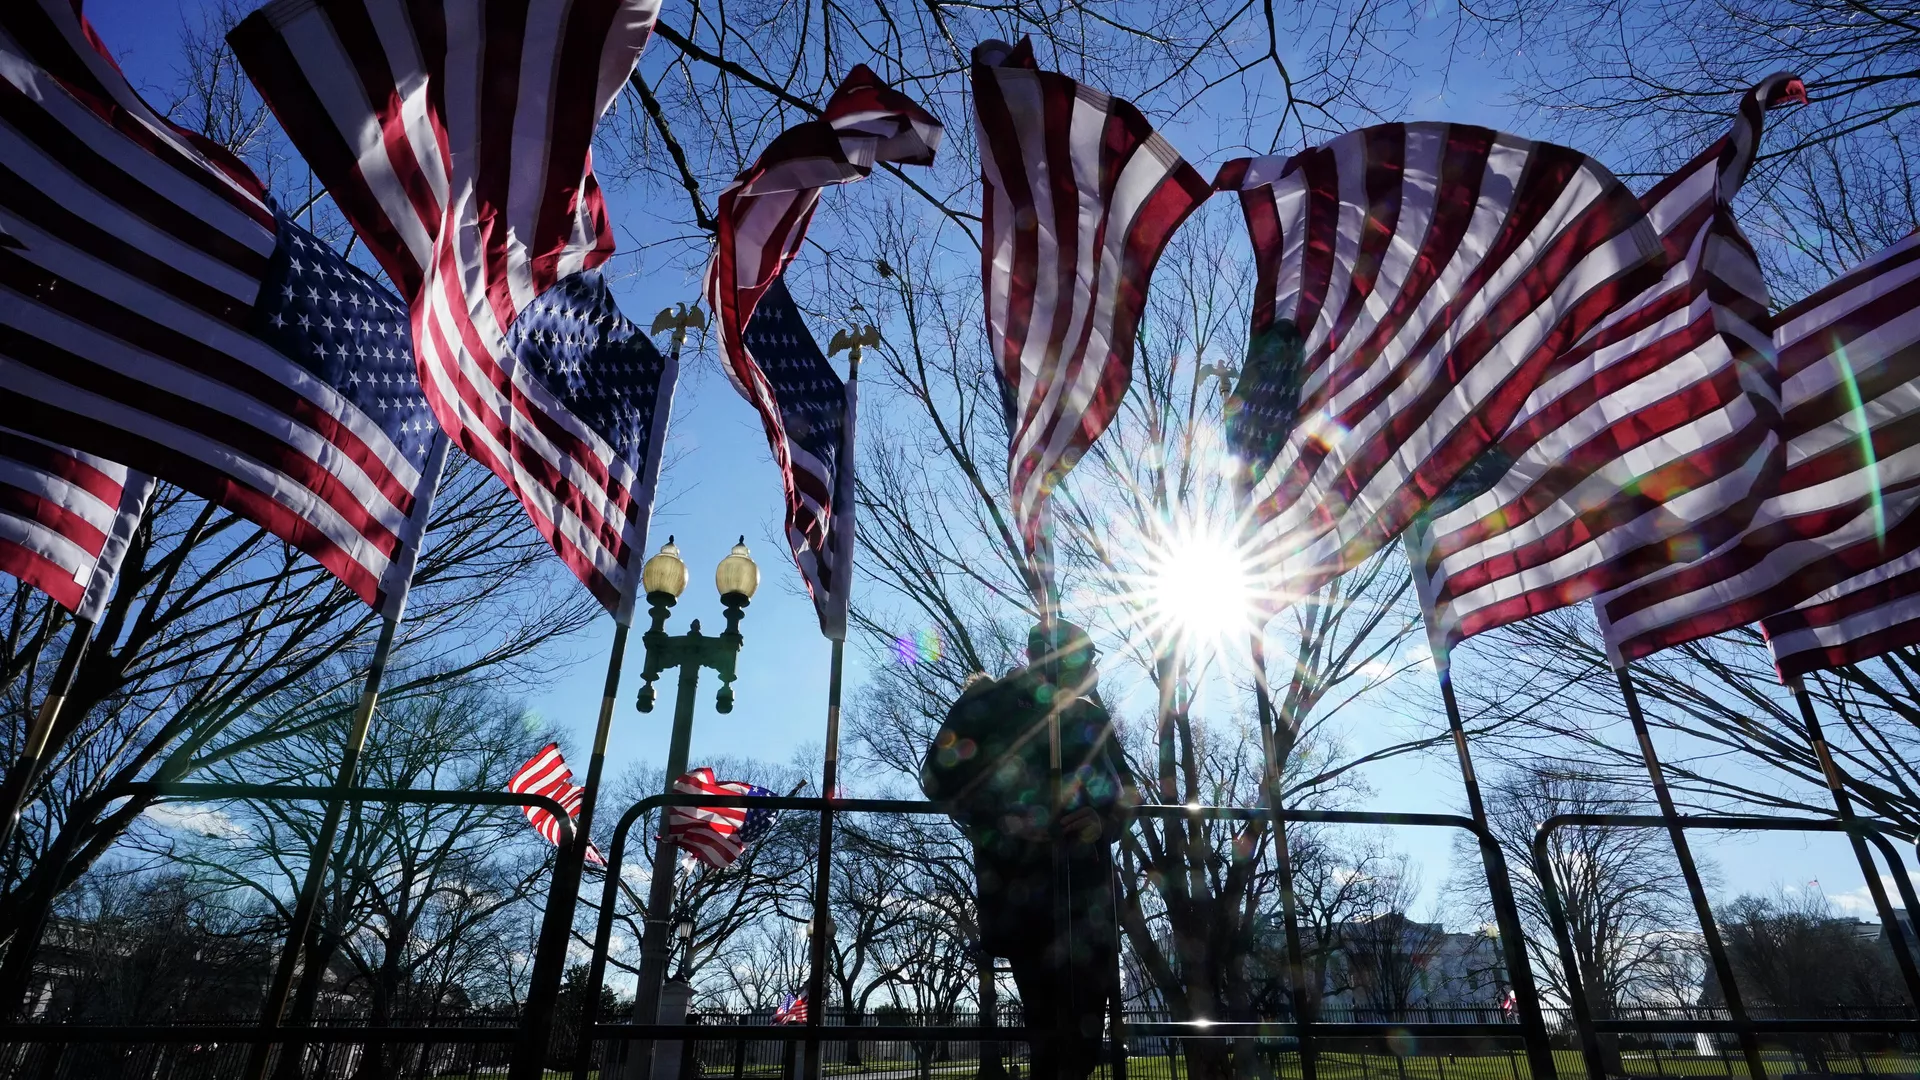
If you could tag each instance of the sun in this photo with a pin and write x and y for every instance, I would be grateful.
(1199, 584)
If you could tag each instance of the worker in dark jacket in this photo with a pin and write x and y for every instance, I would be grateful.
(988, 768)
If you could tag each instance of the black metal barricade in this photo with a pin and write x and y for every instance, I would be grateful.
(186, 1052)
(1383, 1031)
(1716, 1022)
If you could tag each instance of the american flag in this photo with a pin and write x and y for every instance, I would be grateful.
(1433, 272)
(546, 773)
(479, 198)
(809, 414)
(716, 835)
(1081, 196)
(768, 355)
(66, 519)
(154, 309)
(1831, 563)
(793, 1010)
(1653, 440)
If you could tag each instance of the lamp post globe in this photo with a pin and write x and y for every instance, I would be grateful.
(737, 576)
(665, 574)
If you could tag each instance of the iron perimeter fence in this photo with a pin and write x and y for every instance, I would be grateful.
(1337, 1044)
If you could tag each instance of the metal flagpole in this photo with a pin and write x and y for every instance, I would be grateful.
(1303, 1002)
(1843, 806)
(1065, 1017)
(841, 554)
(19, 781)
(322, 854)
(823, 875)
(1506, 916)
(1710, 932)
(556, 923)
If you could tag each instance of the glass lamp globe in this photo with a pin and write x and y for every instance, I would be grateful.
(665, 573)
(737, 573)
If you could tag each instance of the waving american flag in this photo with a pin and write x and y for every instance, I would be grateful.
(546, 773)
(1830, 565)
(717, 835)
(1653, 440)
(1433, 272)
(478, 196)
(66, 519)
(792, 1009)
(154, 309)
(1081, 196)
(813, 415)
(764, 346)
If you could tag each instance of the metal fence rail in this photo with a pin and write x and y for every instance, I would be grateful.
(340, 1047)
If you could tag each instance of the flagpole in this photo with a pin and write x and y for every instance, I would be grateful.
(1696, 890)
(1843, 806)
(1506, 914)
(557, 923)
(840, 551)
(1303, 1002)
(823, 873)
(322, 852)
(19, 781)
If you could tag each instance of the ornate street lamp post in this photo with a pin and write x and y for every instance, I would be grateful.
(665, 577)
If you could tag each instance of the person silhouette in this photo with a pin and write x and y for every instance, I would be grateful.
(987, 768)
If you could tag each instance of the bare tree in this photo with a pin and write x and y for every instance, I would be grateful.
(221, 640)
(1647, 86)
(414, 889)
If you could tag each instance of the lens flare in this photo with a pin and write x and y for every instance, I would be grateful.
(1198, 583)
(1868, 459)
(920, 647)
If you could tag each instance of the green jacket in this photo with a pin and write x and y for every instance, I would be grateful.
(987, 767)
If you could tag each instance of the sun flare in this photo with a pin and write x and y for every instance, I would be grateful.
(1199, 584)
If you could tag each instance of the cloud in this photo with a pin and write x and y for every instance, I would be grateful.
(185, 817)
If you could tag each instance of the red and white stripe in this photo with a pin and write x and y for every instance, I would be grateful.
(709, 833)
(456, 138)
(1831, 563)
(136, 254)
(1652, 440)
(66, 519)
(763, 217)
(546, 774)
(1434, 272)
(1081, 196)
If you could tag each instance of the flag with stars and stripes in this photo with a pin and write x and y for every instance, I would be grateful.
(809, 416)
(792, 1010)
(717, 835)
(155, 310)
(457, 140)
(1830, 565)
(762, 218)
(1081, 195)
(1652, 440)
(546, 774)
(66, 519)
(1434, 272)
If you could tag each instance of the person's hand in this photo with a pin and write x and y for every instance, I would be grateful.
(1083, 825)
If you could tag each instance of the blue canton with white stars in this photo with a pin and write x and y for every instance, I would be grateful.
(340, 324)
(759, 819)
(595, 360)
(812, 398)
(1265, 403)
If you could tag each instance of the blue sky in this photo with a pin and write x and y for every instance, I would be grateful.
(723, 484)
